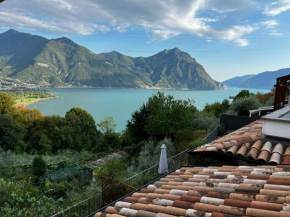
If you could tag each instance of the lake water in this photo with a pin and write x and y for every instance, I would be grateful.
(120, 103)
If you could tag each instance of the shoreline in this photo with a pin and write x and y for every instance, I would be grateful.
(34, 100)
(132, 88)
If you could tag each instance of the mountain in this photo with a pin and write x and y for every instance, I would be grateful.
(37, 60)
(264, 80)
(237, 81)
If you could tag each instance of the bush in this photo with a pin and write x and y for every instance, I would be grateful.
(243, 105)
(113, 169)
(38, 166)
(22, 199)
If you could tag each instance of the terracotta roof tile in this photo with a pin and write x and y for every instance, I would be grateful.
(242, 151)
(233, 149)
(257, 145)
(247, 142)
(253, 153)
(278, 149)
(267, 146)
(264, 156)
(287, 151)
(286, 159)
(226, 195)
(275, 158)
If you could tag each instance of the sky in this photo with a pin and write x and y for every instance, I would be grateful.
(228, 37)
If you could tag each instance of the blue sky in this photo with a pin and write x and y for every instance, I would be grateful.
(228, 37)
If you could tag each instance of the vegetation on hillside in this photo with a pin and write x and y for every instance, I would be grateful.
(61, 61)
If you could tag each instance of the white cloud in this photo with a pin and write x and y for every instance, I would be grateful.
(276, 8)
(18, 21)
(231, 6)
(236, 33)
(163, 19)
(163, 34)
(271, 25)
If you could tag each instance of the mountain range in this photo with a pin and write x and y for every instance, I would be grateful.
(37, 60)
(264, 80)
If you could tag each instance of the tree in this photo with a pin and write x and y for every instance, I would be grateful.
(7, 104)
(266, 98)
(83, 127)
(203, 122)
(216, 109)
(28, 116)
(135, 128)
(162, 116)
(110, 139)
(226, 105)
(243, 105)
(11, 133)
(38, 166)
(107, 125)
(45, 135)
(80, 119)
(243, 94)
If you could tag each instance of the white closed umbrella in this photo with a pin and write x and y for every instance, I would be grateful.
(163, 165)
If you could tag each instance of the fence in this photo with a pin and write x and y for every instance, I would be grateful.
(174, 163)
(234, 122)
(212, 135)
(82, 208)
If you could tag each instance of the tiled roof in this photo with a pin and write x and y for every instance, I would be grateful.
(212, 192)
(249, 142)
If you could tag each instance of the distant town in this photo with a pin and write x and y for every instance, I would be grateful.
(16, 84)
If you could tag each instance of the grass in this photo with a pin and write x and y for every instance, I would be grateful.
(30, 100)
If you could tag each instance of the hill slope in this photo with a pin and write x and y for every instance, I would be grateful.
(237, 81)
(264, 80)
(37, 60)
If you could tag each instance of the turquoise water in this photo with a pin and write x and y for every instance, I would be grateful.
(120, 103)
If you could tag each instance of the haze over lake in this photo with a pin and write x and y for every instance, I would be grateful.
(120, 103)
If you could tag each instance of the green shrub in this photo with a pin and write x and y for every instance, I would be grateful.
(38, 166)
(243, 105)
(113, 169)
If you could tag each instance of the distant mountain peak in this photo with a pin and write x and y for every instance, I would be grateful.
(66, 41)
(61, 61)
(264, 80)
(11, 31)
(173, 50)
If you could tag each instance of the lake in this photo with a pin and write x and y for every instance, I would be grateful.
(120, 103)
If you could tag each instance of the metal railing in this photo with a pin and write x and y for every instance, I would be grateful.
(260, 109)
(212, 135)
(82, 208)
(145, 176)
